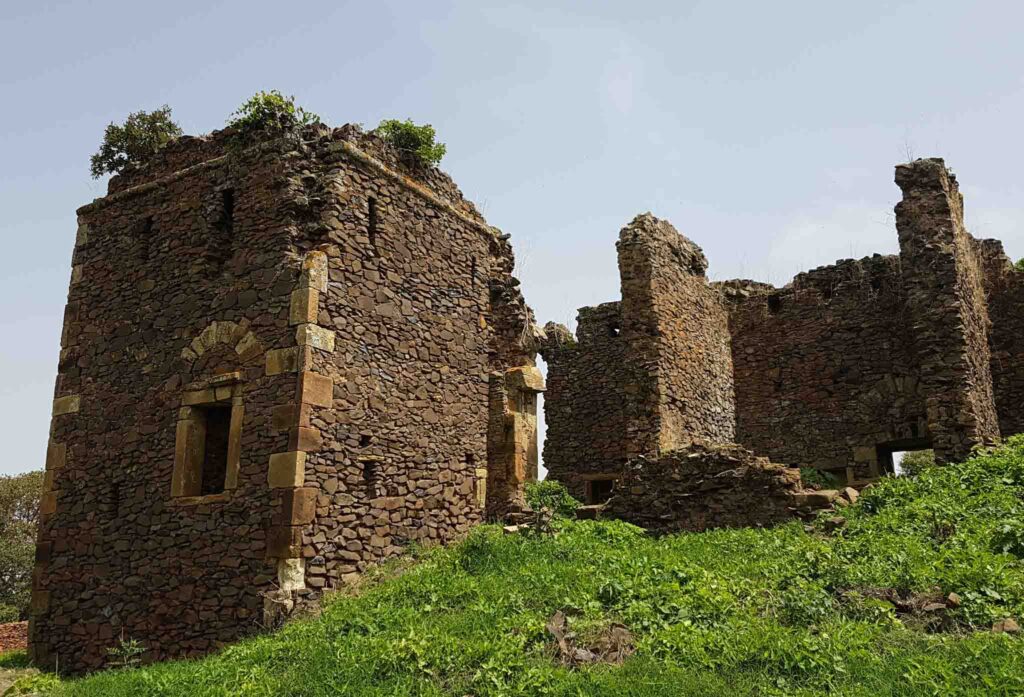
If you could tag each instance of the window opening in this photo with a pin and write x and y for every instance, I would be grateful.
(372, 229)
(215, 449)
(599, 490)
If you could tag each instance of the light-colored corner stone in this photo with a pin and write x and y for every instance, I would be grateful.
(248, 347)
(304, 305)
(76, 274)
(82, 236)
(291, 574)
(316, 389)
(315, 336)
(56, 455)
(284, 360)
(66, 405)
(525, 377)
(314, 271)
(286, 470)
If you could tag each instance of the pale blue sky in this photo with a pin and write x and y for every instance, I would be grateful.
(766, 132)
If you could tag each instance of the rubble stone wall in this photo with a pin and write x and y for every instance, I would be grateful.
(585, 400)
(678, 350)
(348, 308)
(705, 486)
(826, 368)
(943, 279)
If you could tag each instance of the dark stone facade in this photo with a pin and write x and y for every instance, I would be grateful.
(837, 370)
(280, 364)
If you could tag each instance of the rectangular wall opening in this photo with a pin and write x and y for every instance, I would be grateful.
(909, 462)
(599, 490)
(215, 448)
(891, 455)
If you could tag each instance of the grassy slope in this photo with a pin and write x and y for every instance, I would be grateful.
(735, 612)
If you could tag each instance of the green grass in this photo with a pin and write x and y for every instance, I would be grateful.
(729, 612)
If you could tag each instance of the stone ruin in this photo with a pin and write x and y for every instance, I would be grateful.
(281, 364)
(837, 370)
(278, 366)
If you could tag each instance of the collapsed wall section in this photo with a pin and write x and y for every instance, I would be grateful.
(943, 279)
(709, 486)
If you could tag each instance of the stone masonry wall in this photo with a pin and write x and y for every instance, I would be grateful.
(944, 282)
(584, 404)
(826, 368)
(706, 486)
(1005, 287)
(354, 350)
(678, 341)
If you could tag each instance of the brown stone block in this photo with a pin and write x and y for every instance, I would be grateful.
(56, 455)
(298, 507)
(316, 389)
(314, 271)
(287, 470)
(48, 503)
(284, 360)
(43, 551)
(66, 405)
(40, 602)
(284, 542)
(315, 336)
(48, 480)
(305, 439)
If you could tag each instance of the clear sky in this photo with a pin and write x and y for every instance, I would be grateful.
(766, 132)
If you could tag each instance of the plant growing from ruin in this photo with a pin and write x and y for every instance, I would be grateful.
(412, 141)
(269, 112)
(140, 137)
(553, 496)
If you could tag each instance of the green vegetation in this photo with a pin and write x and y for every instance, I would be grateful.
(134, 141)
(19, 506)
(415, 142)
(916, 461)
(551, 495)
(1019, 265)
(779, 612)
(818, 479)
(269, 112)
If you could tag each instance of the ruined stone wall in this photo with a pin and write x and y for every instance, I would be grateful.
(706, 486)
(678, 341)
(354, 350)
(826, 368)
(584, 405)
(944, 282)
(165, 291)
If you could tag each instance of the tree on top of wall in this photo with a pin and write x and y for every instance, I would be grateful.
(417, 143)
(133, 142)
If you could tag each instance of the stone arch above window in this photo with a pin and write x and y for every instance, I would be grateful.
(235, 335)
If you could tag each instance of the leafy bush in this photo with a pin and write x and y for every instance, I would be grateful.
(916, 461)
(133, 142)
(818, 479)
(553, 496)
(1019, 265)
(416, 142)
(269, 112)
(19, 506)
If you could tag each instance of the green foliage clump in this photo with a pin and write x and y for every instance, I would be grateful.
(553, 496)
(783, 611)
(269, 112)
(1019, 265)
(35, 684)
(133, 142)
(416, 142)
(916, 461)
(19, 507)
(818, 479)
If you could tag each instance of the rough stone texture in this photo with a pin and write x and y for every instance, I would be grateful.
(354, 352)
(837, 370)
(707, 486)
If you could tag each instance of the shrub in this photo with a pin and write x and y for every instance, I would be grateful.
(416, 142)
(19, 505)
(133, 142)
(269, 112)
(915, 462)
(1019, 265)
(553, 496)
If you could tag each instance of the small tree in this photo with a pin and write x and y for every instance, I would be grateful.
(19, 511)
(269, 111)
(1019, 265)
(916, 461)
(412, 141)
(133, 142)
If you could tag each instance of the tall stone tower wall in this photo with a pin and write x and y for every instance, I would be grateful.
(276, 370)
